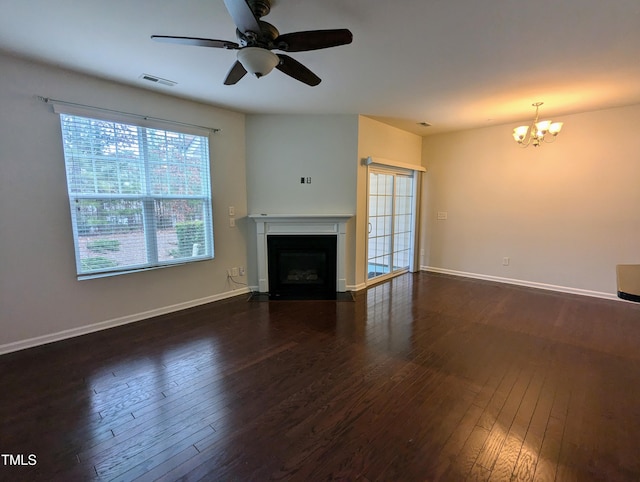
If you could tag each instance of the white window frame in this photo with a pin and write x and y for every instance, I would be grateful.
(147, 199)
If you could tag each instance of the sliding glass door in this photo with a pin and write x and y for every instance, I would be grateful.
(391, 222)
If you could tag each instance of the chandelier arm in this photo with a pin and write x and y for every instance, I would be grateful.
(531, 133)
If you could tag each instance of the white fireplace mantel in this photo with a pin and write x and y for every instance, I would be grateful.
(299, 224)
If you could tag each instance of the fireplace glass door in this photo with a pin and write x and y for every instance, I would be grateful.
(391, 223)
(302, 266)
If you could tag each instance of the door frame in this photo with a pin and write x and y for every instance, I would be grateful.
(391, 167)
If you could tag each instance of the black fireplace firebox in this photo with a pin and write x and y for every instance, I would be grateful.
(302, 266)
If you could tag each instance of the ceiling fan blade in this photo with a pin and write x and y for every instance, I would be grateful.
(295, 69)
(235, 74)
(202, 42)
(242, 16)
(312, 40)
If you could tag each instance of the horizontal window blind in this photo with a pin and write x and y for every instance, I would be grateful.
(140, 197)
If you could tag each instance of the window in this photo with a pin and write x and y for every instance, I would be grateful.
(140, 197)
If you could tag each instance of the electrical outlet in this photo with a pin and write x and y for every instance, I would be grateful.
(234, 271)
(505, 261)
(232, 222)
(442, 215)
(308, 180)
(241, 270)
(302, 180)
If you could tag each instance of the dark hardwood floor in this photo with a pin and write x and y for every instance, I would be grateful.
(426, 377)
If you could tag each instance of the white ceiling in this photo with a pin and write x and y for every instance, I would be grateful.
(456, 64)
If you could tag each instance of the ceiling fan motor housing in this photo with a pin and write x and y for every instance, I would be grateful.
(260, 8)
(268, 33)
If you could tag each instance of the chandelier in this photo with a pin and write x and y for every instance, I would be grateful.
(537, 132)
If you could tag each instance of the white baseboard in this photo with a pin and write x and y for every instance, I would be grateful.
(358, 287)
(530, 284)
(103, 325)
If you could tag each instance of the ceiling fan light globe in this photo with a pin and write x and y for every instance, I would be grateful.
(257, 61)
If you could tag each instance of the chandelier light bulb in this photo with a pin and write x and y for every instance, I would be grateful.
(555, 128)
(519, 133)
(543, 126)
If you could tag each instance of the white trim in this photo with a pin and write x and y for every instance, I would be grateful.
(530, 284)
(301, 218)
(72, 108)
(358, 287)
(379, 161)
(104, 325)
(297, 224)
(416, 187)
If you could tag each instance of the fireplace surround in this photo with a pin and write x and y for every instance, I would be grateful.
(307, 225)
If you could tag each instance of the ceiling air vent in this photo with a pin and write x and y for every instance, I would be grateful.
(424, 124)
(157, 80)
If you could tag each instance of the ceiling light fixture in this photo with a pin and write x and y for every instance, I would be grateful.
(537, 132)
(257, 61)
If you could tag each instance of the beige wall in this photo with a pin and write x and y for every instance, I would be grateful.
(376, 139)
(40, 298)
(564, 213)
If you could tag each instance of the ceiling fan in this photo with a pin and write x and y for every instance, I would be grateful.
(257, 39)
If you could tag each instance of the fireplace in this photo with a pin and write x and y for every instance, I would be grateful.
(302, 266)
(321, 226)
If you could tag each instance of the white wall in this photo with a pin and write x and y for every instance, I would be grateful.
(564, 213)
(39, 293)
(283, 148)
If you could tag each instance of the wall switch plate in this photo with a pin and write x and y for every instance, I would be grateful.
(302, 180)
(232, 222)
(308, 180)
(232, 211)
(241, 271)
(505, 261)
